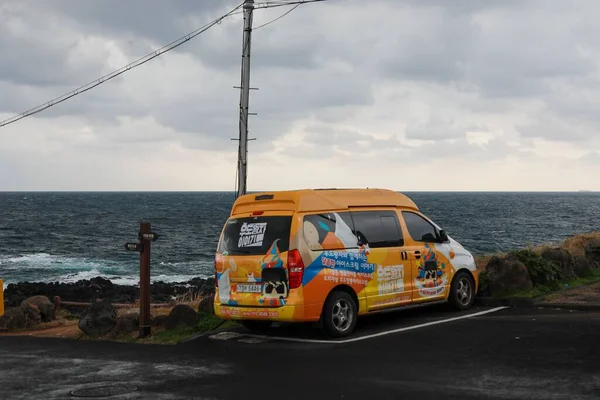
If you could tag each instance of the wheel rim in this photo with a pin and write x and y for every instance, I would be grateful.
(463, 291)
(342, 315)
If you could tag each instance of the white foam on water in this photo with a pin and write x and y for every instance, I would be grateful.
(44, 267)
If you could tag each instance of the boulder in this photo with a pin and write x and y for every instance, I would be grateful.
(127, 323)
(592, 251)
(563, 259)
(507, 274)
(207, 305)
(180, 316)
(43, 304)
(12, 319)
(208, 289)
(159, 320)
(32, 314)
(98, 319)
(84, 290)
(583, 267)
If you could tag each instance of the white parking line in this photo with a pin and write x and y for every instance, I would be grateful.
(374, 335)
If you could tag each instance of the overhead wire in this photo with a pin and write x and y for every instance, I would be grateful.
(278, 18)
(273, 4)
(140, 61)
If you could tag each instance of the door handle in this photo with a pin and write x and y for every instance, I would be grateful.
(417, 254)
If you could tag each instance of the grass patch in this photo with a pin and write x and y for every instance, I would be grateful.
(545, 290)
(207, 323)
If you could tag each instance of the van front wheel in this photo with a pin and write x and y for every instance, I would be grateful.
(339, 314)
(462, 291)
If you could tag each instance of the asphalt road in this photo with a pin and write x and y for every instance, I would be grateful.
(507, 354)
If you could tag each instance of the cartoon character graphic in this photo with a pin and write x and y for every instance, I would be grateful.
(344, 233)
(311, 233)
(329, 231)
(274, 277)
(365, 250)
(224, 284)
(431, 277)
(273, 257)
(336, 250)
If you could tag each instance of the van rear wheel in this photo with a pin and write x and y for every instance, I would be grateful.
(257, 326)
(339, 314)
(462, 292)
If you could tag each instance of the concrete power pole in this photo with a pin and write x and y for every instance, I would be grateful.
(244, 98)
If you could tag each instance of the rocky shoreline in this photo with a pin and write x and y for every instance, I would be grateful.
(86, 290)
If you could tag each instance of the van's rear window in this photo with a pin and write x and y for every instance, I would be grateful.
(255, 235)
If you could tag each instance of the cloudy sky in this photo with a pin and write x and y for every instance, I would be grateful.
(407, 95)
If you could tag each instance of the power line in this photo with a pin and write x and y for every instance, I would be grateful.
(140, 61)
(278, 18)
(273, 4)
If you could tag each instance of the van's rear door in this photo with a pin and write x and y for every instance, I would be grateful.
(251, 261)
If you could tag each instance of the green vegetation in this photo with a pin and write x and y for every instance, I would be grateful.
(483, 281)
(544, 290)
(66, 315)
(208, 322)
(542, 272)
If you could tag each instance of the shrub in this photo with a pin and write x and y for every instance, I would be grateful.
(483, 283)
(542, 271)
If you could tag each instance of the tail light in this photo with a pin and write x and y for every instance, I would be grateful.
(295, 269)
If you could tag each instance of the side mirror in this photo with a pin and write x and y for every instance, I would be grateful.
(443, 236)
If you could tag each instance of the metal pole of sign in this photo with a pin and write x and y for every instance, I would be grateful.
(145, 318)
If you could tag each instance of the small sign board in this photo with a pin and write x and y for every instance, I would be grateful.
(148, 236)
(134, 246)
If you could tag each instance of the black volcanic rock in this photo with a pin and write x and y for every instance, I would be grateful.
(85, 290)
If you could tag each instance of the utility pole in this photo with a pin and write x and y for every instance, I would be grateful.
(244, 98)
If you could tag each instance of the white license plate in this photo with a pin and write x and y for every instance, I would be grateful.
(249, 288)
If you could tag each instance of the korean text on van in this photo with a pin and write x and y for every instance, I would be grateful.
(332, 255)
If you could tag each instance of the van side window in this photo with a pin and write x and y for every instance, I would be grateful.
(329, 231)
(419, 228)
(377, 228)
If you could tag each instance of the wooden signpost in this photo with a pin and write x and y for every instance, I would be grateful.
(145, 238)
(1, 298)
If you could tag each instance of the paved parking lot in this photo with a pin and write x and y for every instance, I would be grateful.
(505, 354)
(367, 328)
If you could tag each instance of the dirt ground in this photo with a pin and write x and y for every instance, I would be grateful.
(589, 294)
(58, 328)
(66, 327)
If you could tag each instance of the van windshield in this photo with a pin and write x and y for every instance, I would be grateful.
(255, 235)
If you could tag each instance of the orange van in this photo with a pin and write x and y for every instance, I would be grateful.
(331, 255)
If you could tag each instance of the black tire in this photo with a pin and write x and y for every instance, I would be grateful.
(339, 315)
(257, 326)
(462, 291)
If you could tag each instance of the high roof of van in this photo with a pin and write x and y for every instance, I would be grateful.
(313, 200)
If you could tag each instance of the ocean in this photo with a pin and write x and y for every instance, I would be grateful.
(67, 236)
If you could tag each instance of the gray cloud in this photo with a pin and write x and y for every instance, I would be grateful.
(527, 69)
(434, 129)
(559, 130)
(591, 158)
